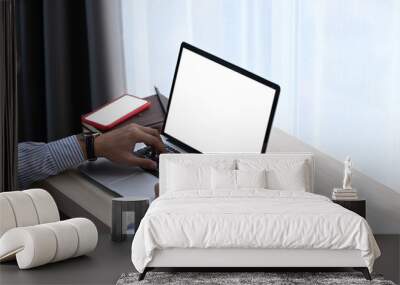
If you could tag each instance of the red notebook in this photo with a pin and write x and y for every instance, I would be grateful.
(114, 113)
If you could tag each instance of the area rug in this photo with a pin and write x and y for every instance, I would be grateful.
(269, 278)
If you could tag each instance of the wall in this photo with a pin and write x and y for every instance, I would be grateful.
(344, 96)
(383, 203)
(338, 63)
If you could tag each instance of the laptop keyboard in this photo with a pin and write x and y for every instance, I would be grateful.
(170, 149)
(149, 153)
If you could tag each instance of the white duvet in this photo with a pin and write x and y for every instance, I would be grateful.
(250, 219)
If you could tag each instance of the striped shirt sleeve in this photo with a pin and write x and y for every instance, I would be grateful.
(37, 161)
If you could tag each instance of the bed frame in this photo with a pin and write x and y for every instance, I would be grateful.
(233, 259)
(242, 259)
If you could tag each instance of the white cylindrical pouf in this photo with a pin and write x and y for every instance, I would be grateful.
(31, 232)
(7, 218)
(87, 234)
(45, 205)
(67, 240)
(33, 246)
(37, 245)
(23, 208)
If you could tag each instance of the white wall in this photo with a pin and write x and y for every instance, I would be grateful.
(347, 85)
(338, 63)
(383, 203)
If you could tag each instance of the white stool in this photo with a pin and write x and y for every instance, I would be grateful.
(31, 230)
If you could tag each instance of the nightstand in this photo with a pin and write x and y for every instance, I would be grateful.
(357, 206)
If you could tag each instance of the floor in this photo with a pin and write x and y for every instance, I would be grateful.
(389, 262)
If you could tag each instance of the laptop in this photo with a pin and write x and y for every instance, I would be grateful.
(214, 107)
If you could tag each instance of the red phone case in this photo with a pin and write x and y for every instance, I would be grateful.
(102, 127)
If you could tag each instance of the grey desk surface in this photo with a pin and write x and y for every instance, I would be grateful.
(122, 180)
(102, 266)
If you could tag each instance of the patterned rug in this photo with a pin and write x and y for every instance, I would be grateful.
(243, 278)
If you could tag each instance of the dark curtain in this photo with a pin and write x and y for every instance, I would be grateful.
(8, 96)
(71, 62)
(55, 82)
(59, 59)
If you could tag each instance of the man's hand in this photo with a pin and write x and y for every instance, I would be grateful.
(118, 145)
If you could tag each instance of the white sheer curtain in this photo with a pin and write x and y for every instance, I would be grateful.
(338, 63)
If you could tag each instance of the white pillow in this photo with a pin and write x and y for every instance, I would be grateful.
(223, 179)
(251, 178)
(237, 179)
(293, 179)
(282, 174)
(183, 177)
(183, 173)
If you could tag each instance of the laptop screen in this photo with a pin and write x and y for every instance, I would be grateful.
(217, 107)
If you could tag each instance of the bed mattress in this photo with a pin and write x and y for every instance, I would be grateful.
(250, 219)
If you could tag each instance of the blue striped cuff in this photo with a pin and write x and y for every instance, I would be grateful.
(66, 152)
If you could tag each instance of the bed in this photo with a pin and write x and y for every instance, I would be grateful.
(247, 211)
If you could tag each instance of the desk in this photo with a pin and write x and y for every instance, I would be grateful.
(77, 195)
(128, 181)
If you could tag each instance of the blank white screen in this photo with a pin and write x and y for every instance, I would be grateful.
(215, 109)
